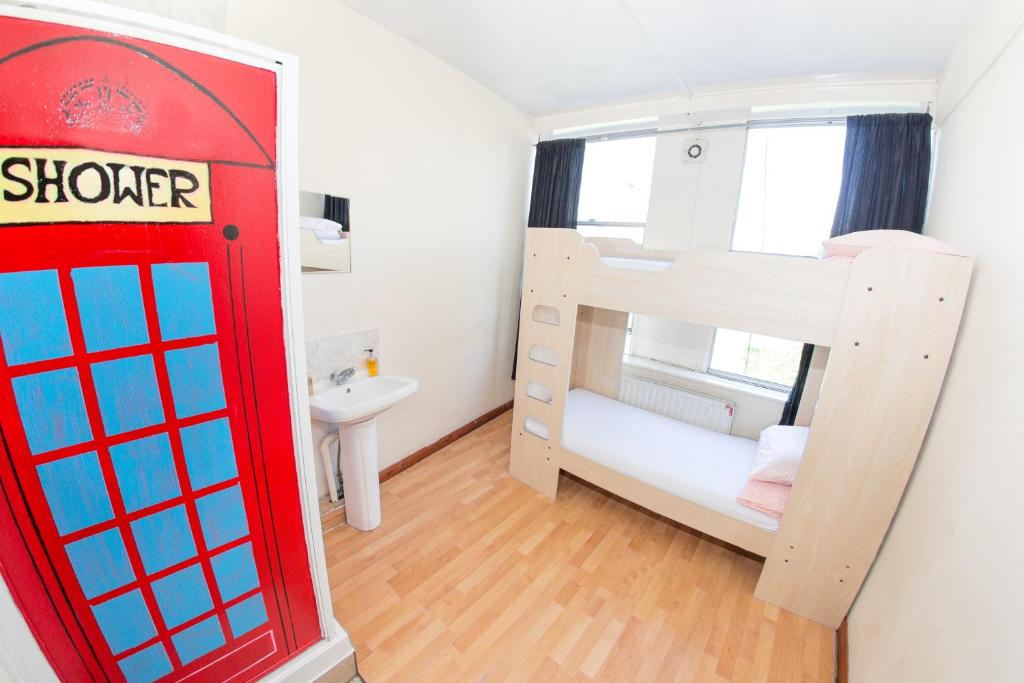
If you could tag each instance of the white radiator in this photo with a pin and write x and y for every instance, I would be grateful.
(703, 411)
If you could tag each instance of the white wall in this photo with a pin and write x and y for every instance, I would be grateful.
(211, 14)
(436, 166)
(944, 599)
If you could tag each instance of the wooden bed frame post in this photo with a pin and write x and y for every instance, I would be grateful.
(886, 366)
(547, 326)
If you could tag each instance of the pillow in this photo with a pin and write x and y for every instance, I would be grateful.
(849, 247)
(778, 454)
(317, 224)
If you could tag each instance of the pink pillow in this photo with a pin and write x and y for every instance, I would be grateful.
(849, 247)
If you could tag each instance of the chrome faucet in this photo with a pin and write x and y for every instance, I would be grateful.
(345, 375)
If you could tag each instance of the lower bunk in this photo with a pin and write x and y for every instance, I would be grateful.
(686, 473)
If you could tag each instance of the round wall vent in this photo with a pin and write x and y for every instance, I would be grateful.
(696, 151)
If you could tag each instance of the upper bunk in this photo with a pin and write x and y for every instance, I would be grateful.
(790, 297)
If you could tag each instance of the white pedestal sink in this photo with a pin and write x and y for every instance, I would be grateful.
(353, 408)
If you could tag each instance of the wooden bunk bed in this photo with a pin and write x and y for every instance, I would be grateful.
(889, 318)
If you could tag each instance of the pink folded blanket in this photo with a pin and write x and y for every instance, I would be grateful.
(765, 496)
(850, 246)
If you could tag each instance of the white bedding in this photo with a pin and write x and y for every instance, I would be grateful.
(634, 263)
(702, 466)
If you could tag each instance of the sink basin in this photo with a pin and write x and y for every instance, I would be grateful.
(362, 399)
(353, 409)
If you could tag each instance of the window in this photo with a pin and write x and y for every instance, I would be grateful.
(616, 188)
(789, 191)
(768, 361)
(788, 197)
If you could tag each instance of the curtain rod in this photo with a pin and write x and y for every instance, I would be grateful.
(755, 123)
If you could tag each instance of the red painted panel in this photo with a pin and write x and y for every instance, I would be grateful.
(64, 87)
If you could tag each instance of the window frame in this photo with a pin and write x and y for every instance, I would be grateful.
(597, 223)
(745, 379)
(590, 222)
(770, 125)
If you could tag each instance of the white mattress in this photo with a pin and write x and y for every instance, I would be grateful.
(702, 466)
(634, 263)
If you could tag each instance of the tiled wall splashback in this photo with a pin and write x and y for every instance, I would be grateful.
(325, 355)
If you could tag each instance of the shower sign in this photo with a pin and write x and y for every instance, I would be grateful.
(67, 185)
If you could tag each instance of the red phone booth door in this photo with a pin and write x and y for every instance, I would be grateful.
(150, 517)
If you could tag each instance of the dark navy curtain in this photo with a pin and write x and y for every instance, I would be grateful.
(797, 392)
(557, 176)
(885, 173)
(886, 164)
(336, 209)
(555, 197)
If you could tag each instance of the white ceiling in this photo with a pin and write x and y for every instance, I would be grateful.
(549, 55)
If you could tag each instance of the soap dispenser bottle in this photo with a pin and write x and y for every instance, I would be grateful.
(371, 364)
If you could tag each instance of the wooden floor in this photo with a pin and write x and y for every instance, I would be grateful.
(473, 576)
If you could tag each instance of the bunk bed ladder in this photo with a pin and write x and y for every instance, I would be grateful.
(548, 325)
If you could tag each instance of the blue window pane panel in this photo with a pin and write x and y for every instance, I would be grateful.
(235, 571)
(75, 492)
(222, 517)
(128, 394)
(110, 307)
(146, 666)
(124, 621)
(182, 595)
(247, 615)
(145, 471)
(164, 539)
(52, 409)
(32, 322)
(196, 641)
(195, 380)
(209, 453)
(101, 563)
(183, 303)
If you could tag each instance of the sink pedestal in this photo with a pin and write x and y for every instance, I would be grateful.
(360, 474)
(353, 407)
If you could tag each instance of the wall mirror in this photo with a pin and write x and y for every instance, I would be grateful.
(324, 235)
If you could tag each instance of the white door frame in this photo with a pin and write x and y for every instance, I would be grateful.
(20, 654)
